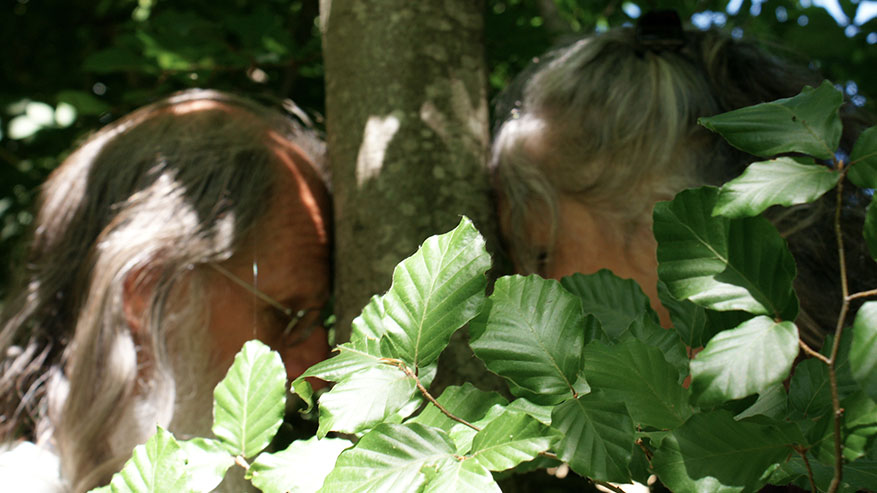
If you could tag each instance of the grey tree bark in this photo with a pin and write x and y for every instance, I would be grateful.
(407, 126)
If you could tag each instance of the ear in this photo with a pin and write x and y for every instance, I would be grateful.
(137, 290)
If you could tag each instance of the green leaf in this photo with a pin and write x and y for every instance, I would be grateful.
(616, 302)
(159, 465)
(809, 392)
(84, 102)
(807, 123)
(772, 403)
(871, 228)
(352, 357)
(863, 161)
(366, 399)
(670, 466)
(435, 292)
(530, 333)
(389, 458)
(861, 474)
(509, 440)
(467, 402)
(782, 181)
(860, 426)
(723, 264)
(597, 437)
(248, 403)
(117, 58)
(638, 375)
(689, 320)
(744, 361)
(715, 445)
(369, 324)
(647, 330)
(540, 413)
(300, 468)
(460, 476)
(207, 462)
(857, 476)
(463, 435)
(846, 383)
(863, 352)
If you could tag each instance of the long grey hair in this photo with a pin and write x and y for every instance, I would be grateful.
(147, 199)
(613, 125)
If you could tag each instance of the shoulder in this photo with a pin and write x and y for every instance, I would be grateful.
(24, 466)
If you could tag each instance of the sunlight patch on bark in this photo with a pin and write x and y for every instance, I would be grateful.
(379, 131)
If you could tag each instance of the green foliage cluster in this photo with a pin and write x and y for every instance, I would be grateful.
(597, 382)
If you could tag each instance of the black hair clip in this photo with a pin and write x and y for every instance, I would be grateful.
(659, 30)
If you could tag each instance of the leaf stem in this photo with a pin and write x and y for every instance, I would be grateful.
(608, 486)
(803, 453)
(402, 366)
(812, 352)
(838, 332)
(239, 460)
(646, 451)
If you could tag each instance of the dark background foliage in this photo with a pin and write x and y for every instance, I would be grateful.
(70, 66)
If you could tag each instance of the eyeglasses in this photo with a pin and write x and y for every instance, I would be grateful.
(292, 334)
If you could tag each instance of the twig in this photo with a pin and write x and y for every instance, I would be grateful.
(803, 454)
(550, 455)
(646, 451)
(812, 352)
(608, 486)
(402, 366)
(239, 460)
(862, 294)
(838, 332)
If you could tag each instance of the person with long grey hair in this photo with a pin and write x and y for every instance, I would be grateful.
(160, 245)
(597, 132)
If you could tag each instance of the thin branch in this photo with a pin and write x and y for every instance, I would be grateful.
(862, 294)
(402, 366)
(608, 486)
(812, 352)
(550, 455)
(646, 451)
(803, 453)
(239, 460)
(838, 332)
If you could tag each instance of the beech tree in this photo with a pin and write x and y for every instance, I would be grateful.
(407, 133)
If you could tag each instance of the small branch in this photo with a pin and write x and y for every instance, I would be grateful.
(402, 366)
(862, 294)
(239, 460)
(608, 486)
(550, 455)
(812, 352)
(645, 450)
(838, 332)
(803, 453)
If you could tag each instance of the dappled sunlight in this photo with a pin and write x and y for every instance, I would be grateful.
(376, 137)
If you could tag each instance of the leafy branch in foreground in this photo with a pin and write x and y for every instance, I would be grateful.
(597, 382)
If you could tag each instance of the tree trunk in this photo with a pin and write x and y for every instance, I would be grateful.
(407, 126)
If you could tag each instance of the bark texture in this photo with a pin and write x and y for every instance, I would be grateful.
(407, 126)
